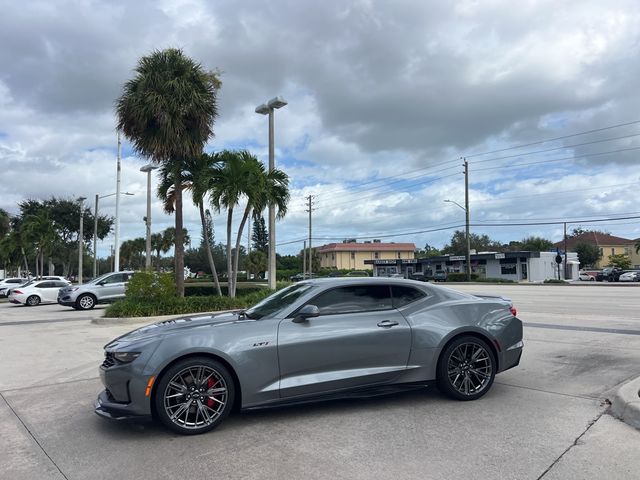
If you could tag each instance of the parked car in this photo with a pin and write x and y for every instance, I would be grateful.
(302, 276)
(585, 277)
(357, 273)
(104, 289)
(630, 277)
(440, 276)
(37, 292)
(316, 339)
(7, 283)
(610, 274)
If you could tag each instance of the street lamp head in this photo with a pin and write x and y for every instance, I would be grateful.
(277, 102)
(81, 199)
(148, 167)
(262, 109)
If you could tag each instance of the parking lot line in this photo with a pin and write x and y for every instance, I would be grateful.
(620, 331)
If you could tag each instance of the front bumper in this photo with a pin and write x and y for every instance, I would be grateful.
(105, 407)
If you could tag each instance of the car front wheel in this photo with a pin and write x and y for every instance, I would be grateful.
(86, 302)
(33, 300)
(466, 368)
(194, 396)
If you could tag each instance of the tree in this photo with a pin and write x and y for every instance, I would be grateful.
(638, 245)
(197, 176)
(5, 223)
(588, 254)
(428, 252)
(620, 260)
(167, 111)
(458, 243)
(260, 235)
(240, 175)
(39, 230)
(536, 244)
(256, 262)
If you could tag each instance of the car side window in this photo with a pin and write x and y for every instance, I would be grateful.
(405, 295)
(59, 283)
(44, 285)
(117, 278)
(352, 299)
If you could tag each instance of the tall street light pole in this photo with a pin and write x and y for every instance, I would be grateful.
(80, 238)
(268, 109)
(147, 169)
(468, 255)
(95, 231)
(116, 261)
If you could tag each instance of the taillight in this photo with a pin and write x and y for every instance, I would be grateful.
(18, 292)
(513, 310)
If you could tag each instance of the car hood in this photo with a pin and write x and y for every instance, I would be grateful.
(175, 325)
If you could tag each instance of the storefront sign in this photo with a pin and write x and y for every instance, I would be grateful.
(457, 258)
(499, 255)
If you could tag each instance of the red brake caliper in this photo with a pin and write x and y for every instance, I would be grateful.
(210, 385)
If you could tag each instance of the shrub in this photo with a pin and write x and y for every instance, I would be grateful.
(460, 277)
(151, 286)
(554, 280)
(494, 280)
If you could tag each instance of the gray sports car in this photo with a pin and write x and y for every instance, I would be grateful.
(318, 339)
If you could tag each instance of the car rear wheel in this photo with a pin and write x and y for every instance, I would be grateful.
(194, 396)
(86, 302)
(466, 368)
(33, 300)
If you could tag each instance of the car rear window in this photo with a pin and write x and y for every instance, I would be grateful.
(405, 295)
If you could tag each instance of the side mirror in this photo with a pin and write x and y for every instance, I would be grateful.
(308, 311)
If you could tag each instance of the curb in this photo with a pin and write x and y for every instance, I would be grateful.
(626, 403)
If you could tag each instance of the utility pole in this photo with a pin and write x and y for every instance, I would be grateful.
(80, 238)
(304, 259)
(116, 260)
(310, 209)
(466, 211)
(95, 239)
(565, 250)
(248, 248)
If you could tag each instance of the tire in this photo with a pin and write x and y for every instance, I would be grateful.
(461, 378)
(189, 410)
(32, 301)
(85, 302)
(592, 279)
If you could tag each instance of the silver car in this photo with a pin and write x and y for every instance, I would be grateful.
(104, 289)
(316, 339)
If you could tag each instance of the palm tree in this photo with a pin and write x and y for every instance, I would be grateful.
(5, 223)
(40, 230)
(197, 177)
(157, 246)
(241, 175)
(167, 111)
(638, 245)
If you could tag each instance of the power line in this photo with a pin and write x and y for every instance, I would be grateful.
(610, 127)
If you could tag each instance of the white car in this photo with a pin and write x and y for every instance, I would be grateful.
(40, 291)
(586, 277)
(630, 277)
(8, 283)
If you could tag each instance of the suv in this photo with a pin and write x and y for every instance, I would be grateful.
(610, 274)
(9, 283)
(104, 289)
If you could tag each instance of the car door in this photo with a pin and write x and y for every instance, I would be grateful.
(51, 291)
(358, 339)
(112, 287)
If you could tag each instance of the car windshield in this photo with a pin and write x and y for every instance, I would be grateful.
(277, 301)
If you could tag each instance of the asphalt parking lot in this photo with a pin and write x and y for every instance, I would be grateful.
(546, 418)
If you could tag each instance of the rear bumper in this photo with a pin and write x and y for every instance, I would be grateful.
(105, 407)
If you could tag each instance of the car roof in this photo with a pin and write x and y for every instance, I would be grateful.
(353, 280)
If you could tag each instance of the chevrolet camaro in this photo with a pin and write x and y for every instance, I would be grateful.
(318, 339)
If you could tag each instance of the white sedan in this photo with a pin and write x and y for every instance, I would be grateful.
(630, 277)
(42, 291)
(586, 277)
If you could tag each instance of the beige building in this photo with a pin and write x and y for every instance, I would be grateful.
(351, 255)
(608, 245)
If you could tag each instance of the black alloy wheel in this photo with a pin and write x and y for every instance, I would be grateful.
(466, 369)
(194, 396)
(33, 300)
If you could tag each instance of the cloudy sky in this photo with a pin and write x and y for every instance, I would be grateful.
(541, 97)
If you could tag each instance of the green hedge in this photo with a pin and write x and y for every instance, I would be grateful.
(554, 280)
(460, 277)
(494, 280)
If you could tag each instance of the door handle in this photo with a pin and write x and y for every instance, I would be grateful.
(387, 323)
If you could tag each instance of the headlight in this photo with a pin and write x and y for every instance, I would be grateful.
(126, 357)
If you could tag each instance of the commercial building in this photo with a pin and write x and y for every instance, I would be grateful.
(352, 255)
(608, 245)
(516, 266)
